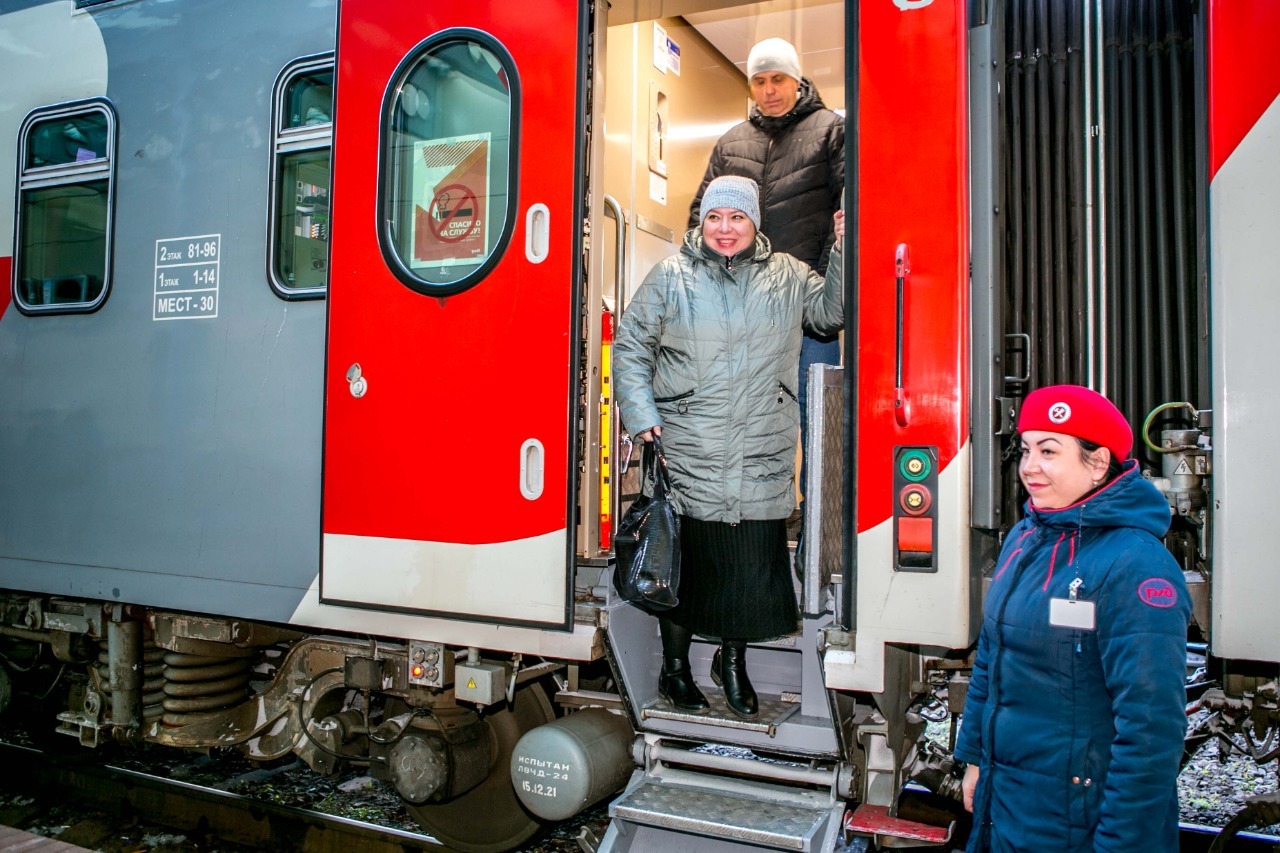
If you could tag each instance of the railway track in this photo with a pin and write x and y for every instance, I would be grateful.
(1200, 839)
(230, 817)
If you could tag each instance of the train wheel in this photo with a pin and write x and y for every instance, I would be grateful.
(489, 818)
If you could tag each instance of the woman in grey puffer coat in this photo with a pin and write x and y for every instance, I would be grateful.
(707, 356)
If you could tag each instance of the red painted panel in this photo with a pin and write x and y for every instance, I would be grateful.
(6, 284)
(455, 385)
(875, 820)
(913, 189)
(915, 534)
(1244, 71)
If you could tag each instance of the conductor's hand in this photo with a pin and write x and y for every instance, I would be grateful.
(839, 223)
(648, 434)
(969, 785)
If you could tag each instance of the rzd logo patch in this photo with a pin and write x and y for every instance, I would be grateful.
(1157, 592)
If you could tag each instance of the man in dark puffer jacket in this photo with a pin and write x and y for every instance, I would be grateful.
(792, 146)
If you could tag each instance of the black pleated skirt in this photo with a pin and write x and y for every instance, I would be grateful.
(735, 580)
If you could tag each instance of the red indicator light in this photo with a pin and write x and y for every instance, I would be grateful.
(915, 500)
(416, 671)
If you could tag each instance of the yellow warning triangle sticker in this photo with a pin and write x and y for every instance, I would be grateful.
(471, 682)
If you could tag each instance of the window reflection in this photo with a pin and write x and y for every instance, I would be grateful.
(301, 177)
(449, 150)
(70, 139)
(64, 244)
(64, 198)
(303, 233)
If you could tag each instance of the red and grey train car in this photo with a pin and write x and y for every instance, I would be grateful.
(307, 445)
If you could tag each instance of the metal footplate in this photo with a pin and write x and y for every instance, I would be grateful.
(773, 710)
(876, 822)
(766, 816)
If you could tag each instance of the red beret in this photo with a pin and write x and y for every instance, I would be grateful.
(1077, 411)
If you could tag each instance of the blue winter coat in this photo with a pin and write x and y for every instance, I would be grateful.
(1077, 732)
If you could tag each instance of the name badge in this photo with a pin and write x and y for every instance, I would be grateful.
(1066, 613)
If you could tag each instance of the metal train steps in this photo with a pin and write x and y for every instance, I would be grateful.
(732, 816)
(774, 710)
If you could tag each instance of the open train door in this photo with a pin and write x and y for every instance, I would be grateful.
(452, 358)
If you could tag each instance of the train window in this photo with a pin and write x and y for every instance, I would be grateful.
(65, 192)
(448, 166)
(300, 170)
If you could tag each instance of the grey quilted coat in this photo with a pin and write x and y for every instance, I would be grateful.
(710, 351)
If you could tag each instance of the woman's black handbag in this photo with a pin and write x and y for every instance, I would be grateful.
(647, 572)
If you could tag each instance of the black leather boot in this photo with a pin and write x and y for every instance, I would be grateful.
(677, 686)
(729, 670)
(675, 682)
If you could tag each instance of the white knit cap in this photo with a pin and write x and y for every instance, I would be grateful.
(733, 192)
(773, 55)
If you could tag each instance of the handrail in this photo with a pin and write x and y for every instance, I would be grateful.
(612, 208)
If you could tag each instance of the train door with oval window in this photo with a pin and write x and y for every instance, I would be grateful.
(451, 364)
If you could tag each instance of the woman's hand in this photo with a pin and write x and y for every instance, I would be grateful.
(839, 223)
(648, 434)
(969, 785)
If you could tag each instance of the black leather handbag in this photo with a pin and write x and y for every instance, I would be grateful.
(647, 572)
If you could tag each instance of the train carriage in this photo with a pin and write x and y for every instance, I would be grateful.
(308, 445)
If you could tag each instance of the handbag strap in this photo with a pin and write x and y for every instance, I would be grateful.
(655, 467)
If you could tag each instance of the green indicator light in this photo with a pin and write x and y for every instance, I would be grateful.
(915, 465)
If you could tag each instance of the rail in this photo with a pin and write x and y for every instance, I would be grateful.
(231, 817)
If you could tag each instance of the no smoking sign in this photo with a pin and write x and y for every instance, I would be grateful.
(453, 214)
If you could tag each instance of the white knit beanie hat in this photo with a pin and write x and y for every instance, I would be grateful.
(773, 55)
(733, 192)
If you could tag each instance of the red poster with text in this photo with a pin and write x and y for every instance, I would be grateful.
(450, 187)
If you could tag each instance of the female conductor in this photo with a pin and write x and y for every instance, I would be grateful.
(706, 356)
(1075, 716)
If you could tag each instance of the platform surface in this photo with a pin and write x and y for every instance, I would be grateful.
(16, 841)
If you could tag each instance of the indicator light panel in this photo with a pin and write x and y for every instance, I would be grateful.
(429, 664)
(915, 512)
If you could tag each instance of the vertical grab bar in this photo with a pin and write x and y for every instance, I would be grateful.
(613, 209)
(901, 269)
(611, 206)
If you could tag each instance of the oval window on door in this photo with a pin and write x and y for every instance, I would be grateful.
(446, 199)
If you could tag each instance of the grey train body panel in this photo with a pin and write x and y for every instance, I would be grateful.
(174, 463)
